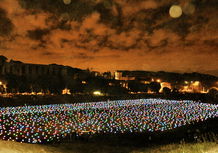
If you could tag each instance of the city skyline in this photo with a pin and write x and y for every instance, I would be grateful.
(9, 63)
(112, 35)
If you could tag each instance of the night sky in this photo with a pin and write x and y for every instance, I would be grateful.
(112, 34)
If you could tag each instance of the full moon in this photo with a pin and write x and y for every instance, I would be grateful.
(67, 2)
(175, 11)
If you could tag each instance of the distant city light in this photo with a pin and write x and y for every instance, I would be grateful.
(66, 91)
(165, 84)
(39, 93)
(175, 11)
(158, 80)
(110, 84)
(196, 83)
(84, 82)
(97, 93)
(185, 87)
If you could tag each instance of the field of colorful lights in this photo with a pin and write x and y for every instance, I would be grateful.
(47, 123)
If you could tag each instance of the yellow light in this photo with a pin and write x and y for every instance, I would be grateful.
(39, 93)
(84, 82)
(196, 83)
(97, 93)
(186, 82)
(66, 91)
(33, 93)
(175, 11)
(158, 80)
(0, 83)
(67, 2)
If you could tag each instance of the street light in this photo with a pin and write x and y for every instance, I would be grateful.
(186, 82)
(158, 80)
(97, 93)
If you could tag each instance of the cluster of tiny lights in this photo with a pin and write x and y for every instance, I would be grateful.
(46, 123)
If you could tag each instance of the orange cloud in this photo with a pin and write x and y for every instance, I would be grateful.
(91, 43)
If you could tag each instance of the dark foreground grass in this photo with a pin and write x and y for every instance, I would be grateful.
(81, 147)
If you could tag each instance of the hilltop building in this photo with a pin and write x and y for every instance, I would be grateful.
(187, 82)
(32, 72)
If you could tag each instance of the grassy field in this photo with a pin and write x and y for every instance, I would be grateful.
(79, 147)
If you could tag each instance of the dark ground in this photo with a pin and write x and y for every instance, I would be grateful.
(21, 100)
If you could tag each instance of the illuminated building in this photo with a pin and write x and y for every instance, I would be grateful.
(193, 87)
(134, 75)
(3, 87)
(119, 76)
(32, 70)
(165, 84)
(66, 91)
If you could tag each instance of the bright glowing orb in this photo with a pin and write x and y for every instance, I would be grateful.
(67, 2)
(175, 11)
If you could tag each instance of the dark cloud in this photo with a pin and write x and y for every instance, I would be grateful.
(161, 44)
(106, 14)
(5, 24)
(181, 26)
(189, 43)
(201, 4)
(59, 22)
(41, 45)
(65, 41)
(145, 19)
(83, 56)
(211, 42)
(77, 10)
(112, 34)
(37, 34)
(46, 53)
